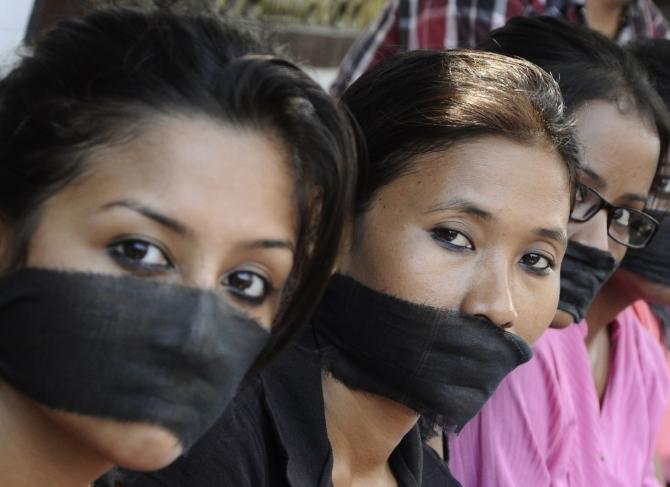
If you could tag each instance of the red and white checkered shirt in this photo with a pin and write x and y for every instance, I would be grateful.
(405, 25)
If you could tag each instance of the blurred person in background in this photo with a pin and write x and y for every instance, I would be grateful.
(405, 25)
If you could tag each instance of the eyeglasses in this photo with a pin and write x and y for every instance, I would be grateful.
(628, 226)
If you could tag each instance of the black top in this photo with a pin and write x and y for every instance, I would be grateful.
(274, 435)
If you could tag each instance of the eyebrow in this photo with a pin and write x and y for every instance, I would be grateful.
(464, 206)
(633, 197)
(598, 181)
(554, 234)
(181, 229)
(269, 244)
(158, 217)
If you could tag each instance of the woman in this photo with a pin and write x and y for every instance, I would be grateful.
(645, 273)
(556, 421)
(459, 233)
(167, 198)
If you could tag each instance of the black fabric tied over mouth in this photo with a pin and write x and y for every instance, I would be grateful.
(443, 364)
(124, 348)
(653, 261)
(583, 272)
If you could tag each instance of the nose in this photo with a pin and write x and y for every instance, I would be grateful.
(592, 233)
(491, 296)
(200, 272)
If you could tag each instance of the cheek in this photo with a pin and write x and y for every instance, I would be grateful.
(264, 314)
(537, 308)
(134, 446)
(405, 262)
(59, 243)
(617, 250)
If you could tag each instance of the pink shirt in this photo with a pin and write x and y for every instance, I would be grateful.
(651, 323)
(544, 425)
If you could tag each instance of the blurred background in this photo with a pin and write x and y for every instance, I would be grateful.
(316, 33)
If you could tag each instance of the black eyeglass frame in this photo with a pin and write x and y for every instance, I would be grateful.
(609, 207)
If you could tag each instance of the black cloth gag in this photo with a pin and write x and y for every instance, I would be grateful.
(583, 272)
(124, 348)
(441, 363)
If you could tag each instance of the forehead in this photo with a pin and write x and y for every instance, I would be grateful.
(211, 176)
(528, 183)
(619, 146)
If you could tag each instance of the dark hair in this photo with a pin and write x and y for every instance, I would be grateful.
(97, 81)
(588, 66)
(654, 55)
(425, 101)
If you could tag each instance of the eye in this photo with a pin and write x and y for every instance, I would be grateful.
(452, 239)
(137, 254)
(537, 263)
(248, 286)
(621, 216)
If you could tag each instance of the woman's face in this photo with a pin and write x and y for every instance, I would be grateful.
(620, 153)
(189, 201)
(480, 228)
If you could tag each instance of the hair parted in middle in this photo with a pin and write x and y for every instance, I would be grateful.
(429, 100)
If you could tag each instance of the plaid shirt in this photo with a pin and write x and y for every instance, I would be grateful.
(405, 25)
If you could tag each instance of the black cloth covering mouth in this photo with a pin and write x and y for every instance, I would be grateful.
(444, 364)
(653, 261)
(124, 348)
(583, 272)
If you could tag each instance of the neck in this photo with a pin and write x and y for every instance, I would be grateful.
(608, 303)
(34, 451)
(363, 429)
(604, 16)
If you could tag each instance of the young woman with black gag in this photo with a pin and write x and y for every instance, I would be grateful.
(171, 204)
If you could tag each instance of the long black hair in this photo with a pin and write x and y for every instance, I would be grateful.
(587, 66)
(95, 80)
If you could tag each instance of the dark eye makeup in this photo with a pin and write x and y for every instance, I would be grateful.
(139, 255)
(145, 258)
(452, 239)
(537, 263)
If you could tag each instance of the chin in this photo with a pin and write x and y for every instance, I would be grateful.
(561, 320)
(143, 447)
(134, 446)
